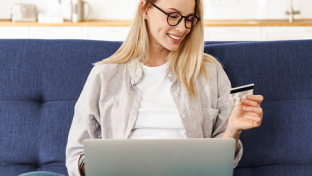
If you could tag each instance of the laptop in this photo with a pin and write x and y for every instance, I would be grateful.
(159, 157)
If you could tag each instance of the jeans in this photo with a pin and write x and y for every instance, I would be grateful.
(41, 173)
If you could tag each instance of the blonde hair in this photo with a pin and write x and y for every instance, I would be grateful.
(185, 63)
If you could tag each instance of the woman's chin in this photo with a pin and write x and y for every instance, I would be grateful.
(173, 48)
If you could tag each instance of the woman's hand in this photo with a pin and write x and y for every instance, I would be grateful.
(251, 117)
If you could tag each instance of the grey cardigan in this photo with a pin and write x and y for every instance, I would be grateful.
(109, 104)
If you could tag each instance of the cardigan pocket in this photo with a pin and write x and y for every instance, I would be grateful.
(209, 119)
(210, 113)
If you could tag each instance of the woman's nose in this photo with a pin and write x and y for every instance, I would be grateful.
(181, 26)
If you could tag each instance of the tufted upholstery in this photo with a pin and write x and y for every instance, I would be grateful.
(281, 72)
(41, 80)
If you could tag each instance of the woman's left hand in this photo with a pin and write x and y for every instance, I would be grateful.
(251, 117)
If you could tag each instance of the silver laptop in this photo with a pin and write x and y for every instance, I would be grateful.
(159, 157)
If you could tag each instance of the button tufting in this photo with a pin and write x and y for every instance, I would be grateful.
(169, 75)
(183, 115)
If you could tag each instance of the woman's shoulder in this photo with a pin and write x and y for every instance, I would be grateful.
(216, 72)
(211, 67)
(210, 64)
(211, 61)
(106, 69)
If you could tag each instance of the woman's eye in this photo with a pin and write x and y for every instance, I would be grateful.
(174, 15)
(190, 18)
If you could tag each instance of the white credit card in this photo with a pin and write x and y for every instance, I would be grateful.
(240, 92)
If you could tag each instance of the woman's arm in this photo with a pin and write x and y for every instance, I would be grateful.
(225, 108)
(85, 123)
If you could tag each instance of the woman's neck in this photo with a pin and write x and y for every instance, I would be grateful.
(157, 55)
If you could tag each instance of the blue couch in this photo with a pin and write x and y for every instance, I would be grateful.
(41, 80)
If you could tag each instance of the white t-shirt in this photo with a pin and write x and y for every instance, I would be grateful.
(158, 116)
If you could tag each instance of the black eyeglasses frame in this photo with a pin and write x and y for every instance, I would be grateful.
(168, 14)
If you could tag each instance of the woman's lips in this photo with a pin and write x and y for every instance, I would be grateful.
(174, 40)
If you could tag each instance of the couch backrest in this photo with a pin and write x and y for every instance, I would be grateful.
(41, 80)
(281, 73)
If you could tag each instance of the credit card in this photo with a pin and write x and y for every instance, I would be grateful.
(240, 92)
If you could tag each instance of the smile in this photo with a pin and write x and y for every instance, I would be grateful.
(177, 38)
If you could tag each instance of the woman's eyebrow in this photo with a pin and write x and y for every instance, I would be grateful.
(180, 11)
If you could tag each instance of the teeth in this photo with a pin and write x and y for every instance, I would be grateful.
(177, 38)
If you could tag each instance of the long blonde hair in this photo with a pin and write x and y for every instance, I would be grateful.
(185, 63)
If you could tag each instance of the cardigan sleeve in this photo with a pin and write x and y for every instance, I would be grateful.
(225, 108)
(238, 154)
(85, 123)
(79, 131)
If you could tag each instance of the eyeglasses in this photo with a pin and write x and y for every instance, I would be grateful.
(175, 18)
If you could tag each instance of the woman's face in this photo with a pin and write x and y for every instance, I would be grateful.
(159, 30)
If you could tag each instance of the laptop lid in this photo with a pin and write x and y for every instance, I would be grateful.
(195, 156)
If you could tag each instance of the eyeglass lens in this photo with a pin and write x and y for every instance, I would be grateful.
(174, 19)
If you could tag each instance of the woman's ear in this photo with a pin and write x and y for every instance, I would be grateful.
(142, 4)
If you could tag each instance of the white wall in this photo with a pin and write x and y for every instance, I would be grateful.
(255, 9)
(214, 9)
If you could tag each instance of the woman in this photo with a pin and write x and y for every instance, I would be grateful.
(155, 89)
